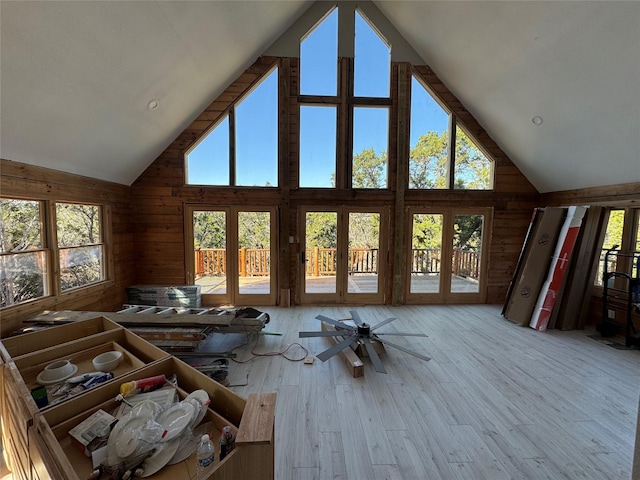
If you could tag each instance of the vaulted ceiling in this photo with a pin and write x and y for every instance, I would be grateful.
(76, 78)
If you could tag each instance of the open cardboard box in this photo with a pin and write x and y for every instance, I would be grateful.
(252, 420)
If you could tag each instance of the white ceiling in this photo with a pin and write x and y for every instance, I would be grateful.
(76, 77)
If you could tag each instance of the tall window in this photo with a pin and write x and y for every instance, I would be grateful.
(80, 245)
(432, 164)
(319, 58)
(318, 130)
(429, 140)
(372, 74)
(23, 256)
(242, 148)
(372, 62)
(356, 108)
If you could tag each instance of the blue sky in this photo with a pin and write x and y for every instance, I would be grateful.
(256, 116)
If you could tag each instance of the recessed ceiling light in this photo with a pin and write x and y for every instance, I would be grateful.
(153, 104)
(537, 120)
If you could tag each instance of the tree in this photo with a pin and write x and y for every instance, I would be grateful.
(428, 161)
(472, 167)
(254, 229)
(209, 229)
(78, 233)
(369, 169)
(22, 267)
(321, 230)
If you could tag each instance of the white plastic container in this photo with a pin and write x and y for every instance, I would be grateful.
(205, 457)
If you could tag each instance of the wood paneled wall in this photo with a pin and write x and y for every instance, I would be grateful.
(19, 180)
(159, 194)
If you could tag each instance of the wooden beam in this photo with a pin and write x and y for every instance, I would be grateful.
(403, 71)
(351, 359)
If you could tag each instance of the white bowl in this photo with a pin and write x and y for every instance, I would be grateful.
(108, 361)
(56, 372)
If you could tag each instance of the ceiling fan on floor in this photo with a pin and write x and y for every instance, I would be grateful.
(362, 333)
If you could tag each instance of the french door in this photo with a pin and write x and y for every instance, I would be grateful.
(231, 254)
(446, 258)
(343, 253)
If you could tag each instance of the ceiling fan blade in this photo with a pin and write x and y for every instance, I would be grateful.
(337, 348)
(373, 355)
(356, 317)
(335, 323)
(384, 322)
(405, 334)
(386, 342)
(322, 334)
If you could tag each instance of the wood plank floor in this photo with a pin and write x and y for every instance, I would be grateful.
(497, 401)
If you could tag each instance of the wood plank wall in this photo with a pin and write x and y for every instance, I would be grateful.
(18, 180)
(159, 194)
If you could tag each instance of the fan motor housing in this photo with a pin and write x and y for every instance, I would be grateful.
(364, 329)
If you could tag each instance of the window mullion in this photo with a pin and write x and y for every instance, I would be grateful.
(451, 152)
(51, 239)
(232, 146)
(345, 124)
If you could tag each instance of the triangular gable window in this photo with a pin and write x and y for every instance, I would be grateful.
(253, 124)
(432, 133)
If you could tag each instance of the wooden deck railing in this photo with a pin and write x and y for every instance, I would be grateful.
(323, 261)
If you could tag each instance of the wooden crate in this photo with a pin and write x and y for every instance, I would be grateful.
(18, 345)
(25, 356)
(252, 419)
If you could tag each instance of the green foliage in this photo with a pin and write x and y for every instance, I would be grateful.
(364, 230)
(427, 231)
(209, 229)
(428, 162)
(77, 224)
(613, 234)
(369, 169)
(468, 232)
(472, 168)
(20, 228)
(254, 229)
(321, 229)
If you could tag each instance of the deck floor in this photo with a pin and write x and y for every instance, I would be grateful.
(359, 283)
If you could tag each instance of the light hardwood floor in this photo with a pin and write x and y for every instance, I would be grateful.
(497, 401)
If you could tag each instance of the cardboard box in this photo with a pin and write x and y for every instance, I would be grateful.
(536, 263)
(97, 425)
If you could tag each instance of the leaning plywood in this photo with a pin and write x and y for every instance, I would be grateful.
(353, 362)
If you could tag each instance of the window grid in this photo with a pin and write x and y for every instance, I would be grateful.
(37, 269)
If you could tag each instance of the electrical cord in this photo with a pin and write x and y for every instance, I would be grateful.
(282, 353)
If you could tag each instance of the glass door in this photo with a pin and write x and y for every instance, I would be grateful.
(257, 257)
(320, 256)
(342, 255)
(447, 260)
(425, 255)
(366, 247)
(232, 251)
